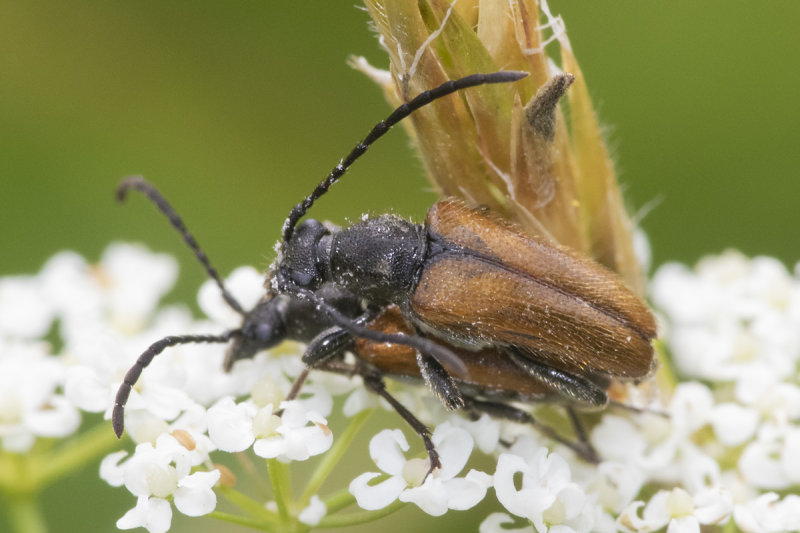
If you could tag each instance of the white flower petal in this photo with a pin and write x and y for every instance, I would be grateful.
(485, 431)
(25, 310)
(656, 512)
(454, 445)
(431, 496)
(378, 496)
(194, 496)
(315, 512)
(683, 524)
(760, 467)
(733, 424)
(467, 492)
(790, 455)
(59, 419)
(154, 514)
(690, 407)
(230, 425)
(386, 450)
(110, 470)
(86, 389)
(617, 485)
(532, 499)
(246, 285)
(499, 522)
(617, 439)
(713, 506)
(358, 400)
(270, 447)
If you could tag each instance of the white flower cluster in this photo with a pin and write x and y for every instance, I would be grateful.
(734, 324)
(97, 311)
(723, 449)
(101, 318)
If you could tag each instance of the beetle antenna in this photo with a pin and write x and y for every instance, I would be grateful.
(134, 372)
(381, 128)
(444, 356)
(140, 184)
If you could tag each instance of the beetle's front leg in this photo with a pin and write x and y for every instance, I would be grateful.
(331, 343)
(325, 347)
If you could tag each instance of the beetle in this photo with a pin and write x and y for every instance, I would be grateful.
(475, 293)
(493, 379)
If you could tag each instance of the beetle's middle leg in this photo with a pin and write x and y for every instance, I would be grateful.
(373, 380)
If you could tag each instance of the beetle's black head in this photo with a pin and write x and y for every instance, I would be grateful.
(263, 327)
(281, 317)
(301, 265)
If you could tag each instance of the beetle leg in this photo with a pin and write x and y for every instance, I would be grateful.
(580, 432)
(374, 382)
(475, 407)
(323, 348)
(440, 382)
(571, 387)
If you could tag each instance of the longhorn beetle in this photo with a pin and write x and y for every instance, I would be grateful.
(464, 283)
(493, 378)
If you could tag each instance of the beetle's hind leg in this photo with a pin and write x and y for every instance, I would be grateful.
(582, 447)
(581, 435)
(571, 387)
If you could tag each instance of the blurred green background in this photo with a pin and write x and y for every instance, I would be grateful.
(236, 109)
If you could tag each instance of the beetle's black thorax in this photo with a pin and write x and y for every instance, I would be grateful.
(379, 258)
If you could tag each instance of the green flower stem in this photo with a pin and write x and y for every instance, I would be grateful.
(279, 478)
(352, 519)
(253, 508)
(25, 514)
(252, 523)
(73, 455)
(334, 455)
(338, 501)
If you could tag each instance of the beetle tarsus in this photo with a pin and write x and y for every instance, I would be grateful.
(582, 448)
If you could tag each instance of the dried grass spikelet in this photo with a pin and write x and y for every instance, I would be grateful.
(507, 147)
